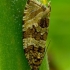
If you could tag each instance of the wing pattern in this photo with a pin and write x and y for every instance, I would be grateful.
(35, 31)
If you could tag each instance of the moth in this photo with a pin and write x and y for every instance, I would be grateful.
(35, 30)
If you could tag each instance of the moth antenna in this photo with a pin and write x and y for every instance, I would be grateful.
(47, 47)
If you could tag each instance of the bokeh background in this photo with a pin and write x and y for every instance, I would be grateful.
(59, 34)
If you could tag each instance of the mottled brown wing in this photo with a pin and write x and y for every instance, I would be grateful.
(35, 30)
(32, 8)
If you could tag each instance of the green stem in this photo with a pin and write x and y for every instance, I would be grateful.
(45, 64)
(11, 49)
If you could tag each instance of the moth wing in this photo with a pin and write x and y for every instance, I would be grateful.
(32, 9)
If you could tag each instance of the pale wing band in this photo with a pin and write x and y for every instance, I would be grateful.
(31, 41)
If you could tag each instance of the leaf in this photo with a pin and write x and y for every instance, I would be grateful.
(11, 46)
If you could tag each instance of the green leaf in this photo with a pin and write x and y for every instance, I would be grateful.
(12, 55)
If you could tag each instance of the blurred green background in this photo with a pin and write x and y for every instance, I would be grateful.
(59, 34)
(11, 50)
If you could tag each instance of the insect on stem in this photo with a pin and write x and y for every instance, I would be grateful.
(35, 32)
